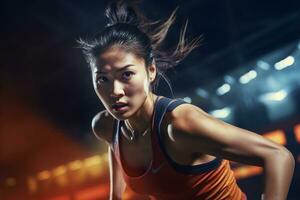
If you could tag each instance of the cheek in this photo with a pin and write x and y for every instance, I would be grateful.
(103, 96)
(138, 87)
(146, 86)
(100, 92)
(97, 89)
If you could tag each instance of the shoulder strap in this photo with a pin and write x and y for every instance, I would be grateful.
(174, 104)
(167, 104)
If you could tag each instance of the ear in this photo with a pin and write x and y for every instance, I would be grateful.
(152, 72)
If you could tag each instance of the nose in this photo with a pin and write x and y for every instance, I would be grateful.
(117, 90)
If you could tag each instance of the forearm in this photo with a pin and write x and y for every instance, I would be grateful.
(278, 171)
(117, 189)
(117, 183)
(117, 193)
(114, 197)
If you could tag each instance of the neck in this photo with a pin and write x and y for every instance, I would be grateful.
(142, 119)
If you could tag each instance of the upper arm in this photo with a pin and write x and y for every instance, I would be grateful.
(202, 133)
(102, 126)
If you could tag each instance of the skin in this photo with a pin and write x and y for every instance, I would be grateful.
(186, 126)
(129, 85)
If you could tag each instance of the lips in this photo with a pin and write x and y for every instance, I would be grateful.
(118, 105)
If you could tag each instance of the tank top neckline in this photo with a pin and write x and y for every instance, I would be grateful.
(152, 145)
(158, 150)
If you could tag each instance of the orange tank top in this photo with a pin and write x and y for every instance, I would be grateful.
(167, 180)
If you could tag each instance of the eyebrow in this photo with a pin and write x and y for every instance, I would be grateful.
(125, 67)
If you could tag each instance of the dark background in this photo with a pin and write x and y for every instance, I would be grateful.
(44, 74)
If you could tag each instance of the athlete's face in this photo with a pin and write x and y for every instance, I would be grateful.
(120, 76)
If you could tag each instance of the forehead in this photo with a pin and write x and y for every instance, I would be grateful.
(116, 58)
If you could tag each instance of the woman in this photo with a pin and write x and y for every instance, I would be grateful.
(164, 148)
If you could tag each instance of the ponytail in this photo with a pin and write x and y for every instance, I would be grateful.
(129, 29)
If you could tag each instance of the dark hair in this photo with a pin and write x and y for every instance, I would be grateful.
(129, 29)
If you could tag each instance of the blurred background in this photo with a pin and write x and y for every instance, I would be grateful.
(247, 73)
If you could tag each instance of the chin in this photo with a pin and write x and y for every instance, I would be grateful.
(121, 116)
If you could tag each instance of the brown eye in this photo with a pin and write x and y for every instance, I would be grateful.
(101, 80)
(127, 75)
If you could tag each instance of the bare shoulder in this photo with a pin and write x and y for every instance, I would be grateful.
(179, 134)
(102, 126)
(185, 112)
(180, 123)
(179, 118)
